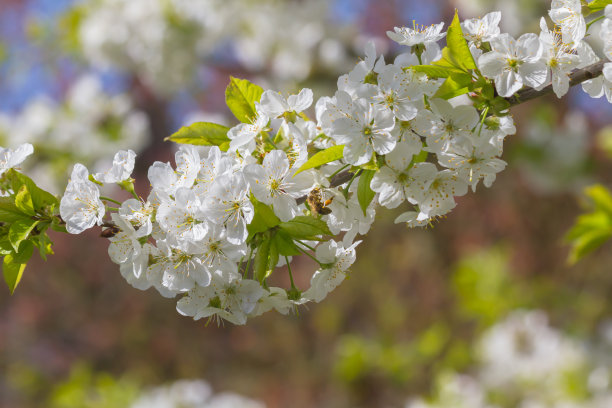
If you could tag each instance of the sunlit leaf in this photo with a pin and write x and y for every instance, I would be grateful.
(365, 194)
(202, 134)
(240, 97)
(323, 157)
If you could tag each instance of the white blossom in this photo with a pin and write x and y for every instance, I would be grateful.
(81, 207)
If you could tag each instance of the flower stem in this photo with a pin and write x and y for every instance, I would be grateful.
(110, 200)
(338, 171)
(290, 274)
(248, 265)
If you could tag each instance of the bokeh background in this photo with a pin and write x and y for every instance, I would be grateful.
(419, 318)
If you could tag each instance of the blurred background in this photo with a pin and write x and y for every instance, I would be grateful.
(481, 310)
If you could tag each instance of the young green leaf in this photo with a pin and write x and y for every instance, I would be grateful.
(601, 197)
(458, 47)
(23, 201)
(19, 231)
(434, 71)
(263, 220)
(303, 227)
(365, 195)
(41, 199)
(240, 97)
(13, 265)
(285, 244)
(260, 266)
(9, 211)
(44, 244)
(455, 85)
(323, 157)
(597, 5)
(202, 134)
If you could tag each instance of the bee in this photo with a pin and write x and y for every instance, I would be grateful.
(110, 232)
(315, 200)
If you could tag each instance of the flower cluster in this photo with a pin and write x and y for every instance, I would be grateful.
(164, 41)
(191, 394)
(218, 223)
(524, 362)
(110, 123)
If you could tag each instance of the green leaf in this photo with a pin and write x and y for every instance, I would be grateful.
(365, 195)
(240, 97)
(19, 231)
(202, 134)
(13, 265)
(44, 244)
(41, 199)
(601, 197)
(587, 243)
(6, 247)
(323, 157)
(272, 259)
(586, 223)
(455, 85)
(260, 266)
(285, 245)
(304, 227)
(263, 220)
(434, 71)
(597, 5)
(458, 47)
(9, 211)
(23, 201)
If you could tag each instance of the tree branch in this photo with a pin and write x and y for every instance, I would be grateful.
(576, 77)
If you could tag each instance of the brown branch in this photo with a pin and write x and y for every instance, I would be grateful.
(576, 77)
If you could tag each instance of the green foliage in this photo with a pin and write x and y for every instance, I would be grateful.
(455, 85)
(44, 202)
(323, 157)
(303, 227)
(25, 215)
(263, 266)
(456, 64)
(483, 288)
(274, 238)
(591, 230)
(365, 195)
(14, 264)
(240, 97)
(459, 52)
(263, 220)
(597, 5)
(86, 389)
(285, 244)
(202, 134)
